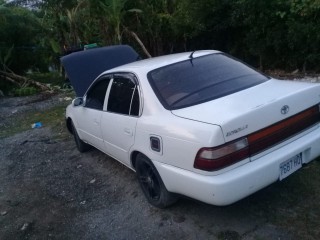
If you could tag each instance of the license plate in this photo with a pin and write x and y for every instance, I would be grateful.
(290, 166)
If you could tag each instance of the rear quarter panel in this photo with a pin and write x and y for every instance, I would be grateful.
(181, 139)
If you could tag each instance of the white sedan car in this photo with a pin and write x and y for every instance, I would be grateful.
(199, 124)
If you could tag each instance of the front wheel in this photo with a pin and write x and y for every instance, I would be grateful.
(81, 145)
(152, 185)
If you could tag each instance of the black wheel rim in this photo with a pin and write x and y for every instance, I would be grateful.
(149, 182)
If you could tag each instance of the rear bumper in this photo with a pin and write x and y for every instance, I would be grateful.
(229, 187)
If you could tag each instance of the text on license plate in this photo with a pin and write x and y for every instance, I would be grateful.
(290, 166)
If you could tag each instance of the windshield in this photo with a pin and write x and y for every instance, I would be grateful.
(201, 79)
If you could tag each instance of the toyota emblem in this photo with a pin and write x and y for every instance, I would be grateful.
(285, 109)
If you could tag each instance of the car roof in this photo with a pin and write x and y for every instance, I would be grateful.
(156, 62)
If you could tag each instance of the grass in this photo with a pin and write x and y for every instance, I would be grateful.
(53, 117)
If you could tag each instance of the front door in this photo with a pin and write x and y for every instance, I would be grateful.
(89, 115)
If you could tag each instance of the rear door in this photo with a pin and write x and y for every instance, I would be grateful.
(122, 109)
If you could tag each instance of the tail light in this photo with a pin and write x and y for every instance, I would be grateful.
(216, 158)
(210, 159)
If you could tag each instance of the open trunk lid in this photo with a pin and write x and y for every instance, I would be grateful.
(85, 66)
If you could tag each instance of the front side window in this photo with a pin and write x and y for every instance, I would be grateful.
(201, 79)
(96, 94)
(124, 97)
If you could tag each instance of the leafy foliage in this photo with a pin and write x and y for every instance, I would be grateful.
(268, 34)
(20, 30)
(25, 91)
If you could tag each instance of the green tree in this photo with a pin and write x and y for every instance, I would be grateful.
(303, 36)
(268, 34)
(263, 28)
(154, 24)
(110, 13)
(205, 24)
(20, 27)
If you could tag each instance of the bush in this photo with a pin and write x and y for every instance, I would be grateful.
(53, 78)
(25, 91)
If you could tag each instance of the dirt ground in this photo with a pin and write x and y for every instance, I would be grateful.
(48, 190)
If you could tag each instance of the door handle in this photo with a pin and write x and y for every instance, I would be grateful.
(96, 122)
(128, 131)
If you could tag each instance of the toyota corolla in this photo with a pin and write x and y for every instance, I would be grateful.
(199, 124)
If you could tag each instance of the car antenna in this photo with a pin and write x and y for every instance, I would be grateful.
(191, 57)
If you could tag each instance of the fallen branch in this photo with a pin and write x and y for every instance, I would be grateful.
(135, 36)
(12, 81)
(22, 81)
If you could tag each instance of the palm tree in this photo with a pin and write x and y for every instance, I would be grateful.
(111, 13)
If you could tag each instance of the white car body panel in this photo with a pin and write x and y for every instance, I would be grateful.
(239, 110)
(88, 126)
(184, 131)
(181, 139)
(118, 134)
(229, 187)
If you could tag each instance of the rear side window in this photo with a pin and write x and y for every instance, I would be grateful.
(201, 79)
(124, 97)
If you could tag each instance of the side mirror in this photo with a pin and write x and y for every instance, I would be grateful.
(77, 101)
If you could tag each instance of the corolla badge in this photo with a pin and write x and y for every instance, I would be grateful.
(239, 129)
(285, 109)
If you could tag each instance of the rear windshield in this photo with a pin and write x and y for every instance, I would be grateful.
(201, 79)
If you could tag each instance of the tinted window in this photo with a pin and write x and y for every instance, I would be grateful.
(201, 79)
(124, 97)
(96, 94)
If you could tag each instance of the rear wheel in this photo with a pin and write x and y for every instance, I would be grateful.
(81, 145)
(152, 185)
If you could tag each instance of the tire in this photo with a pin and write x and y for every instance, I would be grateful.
(152, 185)
(81, 145)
